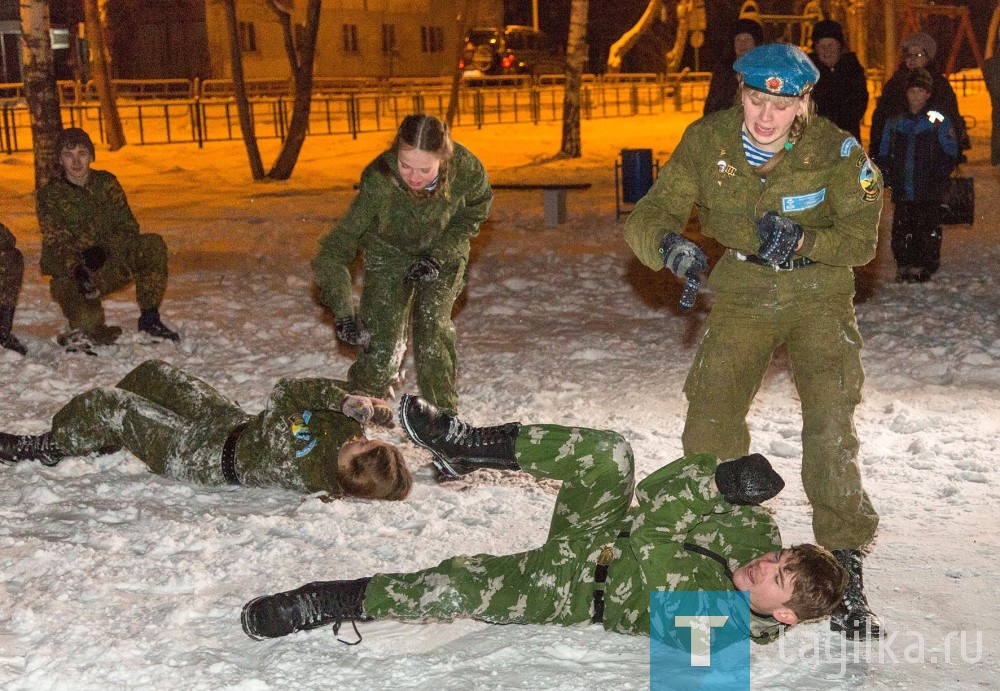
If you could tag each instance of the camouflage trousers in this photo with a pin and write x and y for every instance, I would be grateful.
(11, 268)
(551, 584)
(387, 301)
(146, 266)
(173, 422)
(824, 347)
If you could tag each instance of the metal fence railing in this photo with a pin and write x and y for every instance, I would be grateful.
(337, 109)
(354, 106)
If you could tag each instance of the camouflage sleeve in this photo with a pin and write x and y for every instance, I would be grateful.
(58, 238)
(310, 394)
(473, 208)
(340, 247)
(677, 497)
(666, 208)
(855, 195)
(119, 214)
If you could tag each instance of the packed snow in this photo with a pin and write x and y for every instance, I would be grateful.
(112, 577)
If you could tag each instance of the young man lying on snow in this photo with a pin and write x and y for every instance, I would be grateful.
(697, 526)
(309, 437)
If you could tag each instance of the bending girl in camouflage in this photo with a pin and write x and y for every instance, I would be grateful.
(308, 438)
(418, 205)
(696, 527)
(795, 202)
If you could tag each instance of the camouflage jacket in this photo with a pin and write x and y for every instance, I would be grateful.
(677, 505)
(294, 442)
(394, 226)
(73, 218)
(826, 183)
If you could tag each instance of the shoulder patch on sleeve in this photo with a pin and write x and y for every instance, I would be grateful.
(849, 143)
(871, 188)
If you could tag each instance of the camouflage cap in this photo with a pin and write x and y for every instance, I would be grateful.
(74, 136)
(779, 69)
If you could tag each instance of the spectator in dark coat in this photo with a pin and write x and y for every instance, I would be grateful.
(747, 35)
(991, 73)
(917, 154)
(919, 51)
(841, 94)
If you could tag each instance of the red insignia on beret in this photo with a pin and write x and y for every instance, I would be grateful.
(774, 84)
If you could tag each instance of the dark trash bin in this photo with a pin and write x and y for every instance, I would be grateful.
(637, 174)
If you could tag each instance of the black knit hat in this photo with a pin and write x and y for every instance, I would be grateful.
(828, 28)
(749, 26)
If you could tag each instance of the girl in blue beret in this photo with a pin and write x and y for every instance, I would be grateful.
(794, 202)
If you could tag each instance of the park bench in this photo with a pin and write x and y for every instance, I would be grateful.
(553, 196)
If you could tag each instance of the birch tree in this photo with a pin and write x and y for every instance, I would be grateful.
(95, 18)
(463, 23)
(576, 56)
(624, 44)
(40, 90)
(239, 86)
(301, 57)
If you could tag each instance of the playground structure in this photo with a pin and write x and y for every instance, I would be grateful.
(856, 16)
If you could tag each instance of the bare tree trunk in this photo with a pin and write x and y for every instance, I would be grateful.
(242, 103)
(674, 55)
(624, 44)
(576, 55)
(301, 63)
(40, 89)
(101, 73)
(463, 22)
(889, 65)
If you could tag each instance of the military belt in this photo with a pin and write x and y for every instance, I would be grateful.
(229, 454)
(601, 577)
(783, 266)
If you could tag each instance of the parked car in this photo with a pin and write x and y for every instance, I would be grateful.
(511, 50)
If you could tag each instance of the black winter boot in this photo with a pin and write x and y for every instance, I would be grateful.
(458, 448)
(312, 605)
(18, 447)
(7, 339)
(854, 618)
(149, 322)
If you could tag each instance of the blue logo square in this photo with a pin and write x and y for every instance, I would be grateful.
(699, 641)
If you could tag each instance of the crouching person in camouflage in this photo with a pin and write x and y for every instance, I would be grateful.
(309, 437)
(697, 526)
(91, 246)
(11, 276)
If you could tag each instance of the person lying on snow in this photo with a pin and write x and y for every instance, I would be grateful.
(697, 526)
(309, 437)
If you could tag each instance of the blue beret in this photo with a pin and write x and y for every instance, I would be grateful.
(777, 68)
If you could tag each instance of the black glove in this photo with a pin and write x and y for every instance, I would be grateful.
(85, 282)
(778, 237)
(94, 257)
(685, 260)
(353, 332)
(368, 411)
(748, 480)
(424, 270)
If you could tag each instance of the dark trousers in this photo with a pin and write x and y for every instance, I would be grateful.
(916, 235)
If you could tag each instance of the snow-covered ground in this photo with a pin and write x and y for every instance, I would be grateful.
(111, 577)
